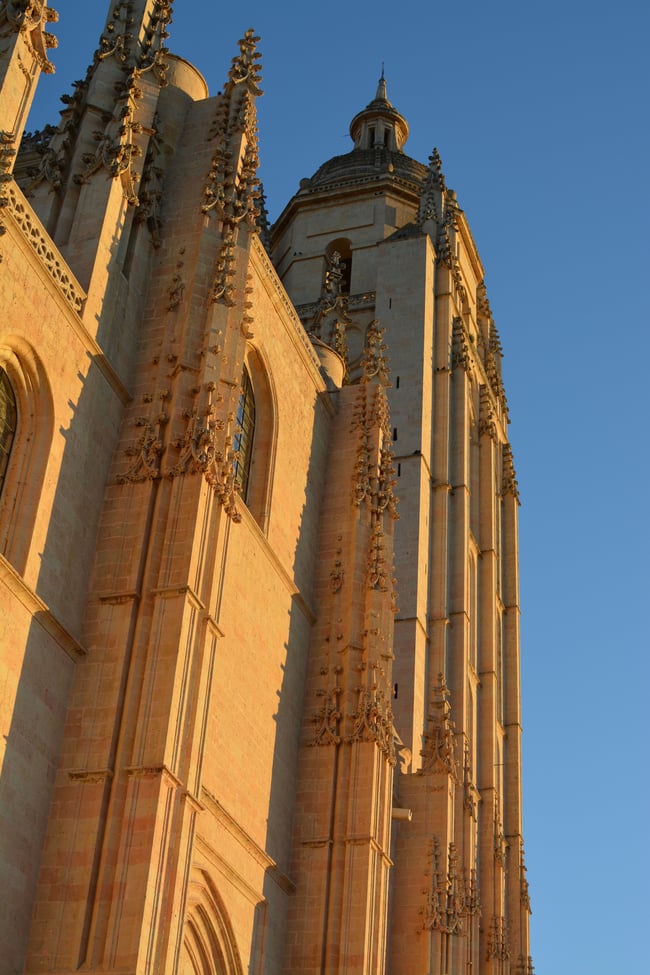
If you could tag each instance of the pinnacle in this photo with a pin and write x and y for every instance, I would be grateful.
(381, 95)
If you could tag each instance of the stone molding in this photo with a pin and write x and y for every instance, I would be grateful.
(270, 278)
(41, 613)
(44, 247)
(230, 823)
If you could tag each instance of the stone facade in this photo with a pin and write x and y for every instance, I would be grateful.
(258, 532)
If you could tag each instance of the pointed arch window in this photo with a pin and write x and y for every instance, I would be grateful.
(8, 419)
(243, 440)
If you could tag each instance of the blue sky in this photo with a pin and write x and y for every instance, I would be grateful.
(540, 113)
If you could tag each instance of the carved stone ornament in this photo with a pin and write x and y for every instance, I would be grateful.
(206, 448)
(116, 148)
(374, 362)
(7, 154)
(337, 577)
(29, 17)
(470, 792)
(50, 258)
(176, 289)
(263, 222)
(451, 898)
(509, 479)
(150, 193)
(492, 358)
(232, 188)
(331, 319)
(222, 286)
(154, 52)
(374, 473)
(487, 426)
(438, 752)
(149, 53)
(525, 965)
(500, 842)
(460, 354)
(328, 717)
(55, 144)
(146, 452)
(52, 161)
(523, 883)
(482, 302)
(404, 754)
(373, 717)
(431, 197)
(365, 299)
(498, 946)
(378, 571)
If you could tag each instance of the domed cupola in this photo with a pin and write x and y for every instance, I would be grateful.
(379, 133)
(379, 124)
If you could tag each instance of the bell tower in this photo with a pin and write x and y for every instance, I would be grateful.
(459, 899)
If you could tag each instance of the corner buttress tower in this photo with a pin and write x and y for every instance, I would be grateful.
(393, 236)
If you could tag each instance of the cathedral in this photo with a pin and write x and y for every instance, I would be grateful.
(259, 622)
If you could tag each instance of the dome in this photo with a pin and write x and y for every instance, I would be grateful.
(378, 132)
(364, 165)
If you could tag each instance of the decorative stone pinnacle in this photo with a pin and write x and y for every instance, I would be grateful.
(438, 754)
(374, 362)
(435, 167)
(244, 67)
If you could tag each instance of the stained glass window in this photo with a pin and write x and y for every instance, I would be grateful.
(8, 416)
(243, 440)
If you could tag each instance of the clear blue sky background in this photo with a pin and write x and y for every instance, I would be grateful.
(540, 112)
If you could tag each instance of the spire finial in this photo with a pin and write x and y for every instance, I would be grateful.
(381, 87)
(379, 125)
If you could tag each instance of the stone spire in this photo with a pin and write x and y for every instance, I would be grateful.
(379, 125)
(232, 189)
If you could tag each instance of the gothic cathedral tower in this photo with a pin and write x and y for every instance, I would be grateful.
(392, 236)
(259, 624)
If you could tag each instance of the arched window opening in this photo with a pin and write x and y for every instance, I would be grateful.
(342, 247)
(243, 441)
(26, 429)
(8, 420)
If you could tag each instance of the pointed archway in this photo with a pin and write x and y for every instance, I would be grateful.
(209, 946)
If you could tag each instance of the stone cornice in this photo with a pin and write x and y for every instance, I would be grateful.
(276, 564)
(232, 826)
(274, 288)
